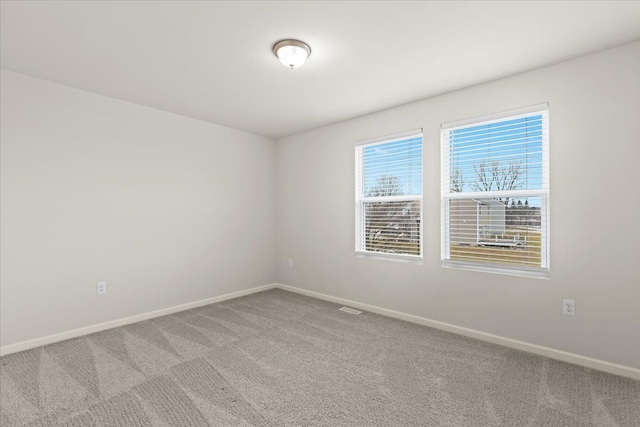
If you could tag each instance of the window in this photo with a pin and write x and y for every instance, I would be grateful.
(389, 196)
(495, 176)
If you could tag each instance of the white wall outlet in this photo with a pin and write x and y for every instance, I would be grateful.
(290, 263)
(102, 288)
(569, 307)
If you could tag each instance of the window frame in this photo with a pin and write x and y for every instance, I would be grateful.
(361, 199)
(543, 193)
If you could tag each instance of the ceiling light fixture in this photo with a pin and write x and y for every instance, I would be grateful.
(292, 53)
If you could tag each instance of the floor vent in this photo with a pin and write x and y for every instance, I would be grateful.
(350, 310)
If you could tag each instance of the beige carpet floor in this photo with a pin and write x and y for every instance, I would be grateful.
(282, 359)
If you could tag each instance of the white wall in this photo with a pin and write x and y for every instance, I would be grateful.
(166, 209)
(595, 204)
(170, 210)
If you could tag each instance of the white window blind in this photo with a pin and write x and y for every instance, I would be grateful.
(389, 196)
(495, 176)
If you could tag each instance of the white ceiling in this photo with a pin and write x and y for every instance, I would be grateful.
(213, 60)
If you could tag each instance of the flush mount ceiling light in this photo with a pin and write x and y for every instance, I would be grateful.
(292, 53)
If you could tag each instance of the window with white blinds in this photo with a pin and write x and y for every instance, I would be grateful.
(495, 176)
(389, 196)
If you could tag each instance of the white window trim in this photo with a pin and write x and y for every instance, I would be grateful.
(383, 256)
(509, 271)
(360, 200)
(542, 272)
(496, 117)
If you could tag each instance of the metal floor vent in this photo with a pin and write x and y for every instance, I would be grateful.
(350, 310)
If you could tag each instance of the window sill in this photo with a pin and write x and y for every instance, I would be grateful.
(412, 259)
(541, 273)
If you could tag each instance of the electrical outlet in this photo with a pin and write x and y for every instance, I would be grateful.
(569, 307)
(290, 263)
(102, 288)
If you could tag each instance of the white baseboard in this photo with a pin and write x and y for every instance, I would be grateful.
(49, 339)
(576, 359)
